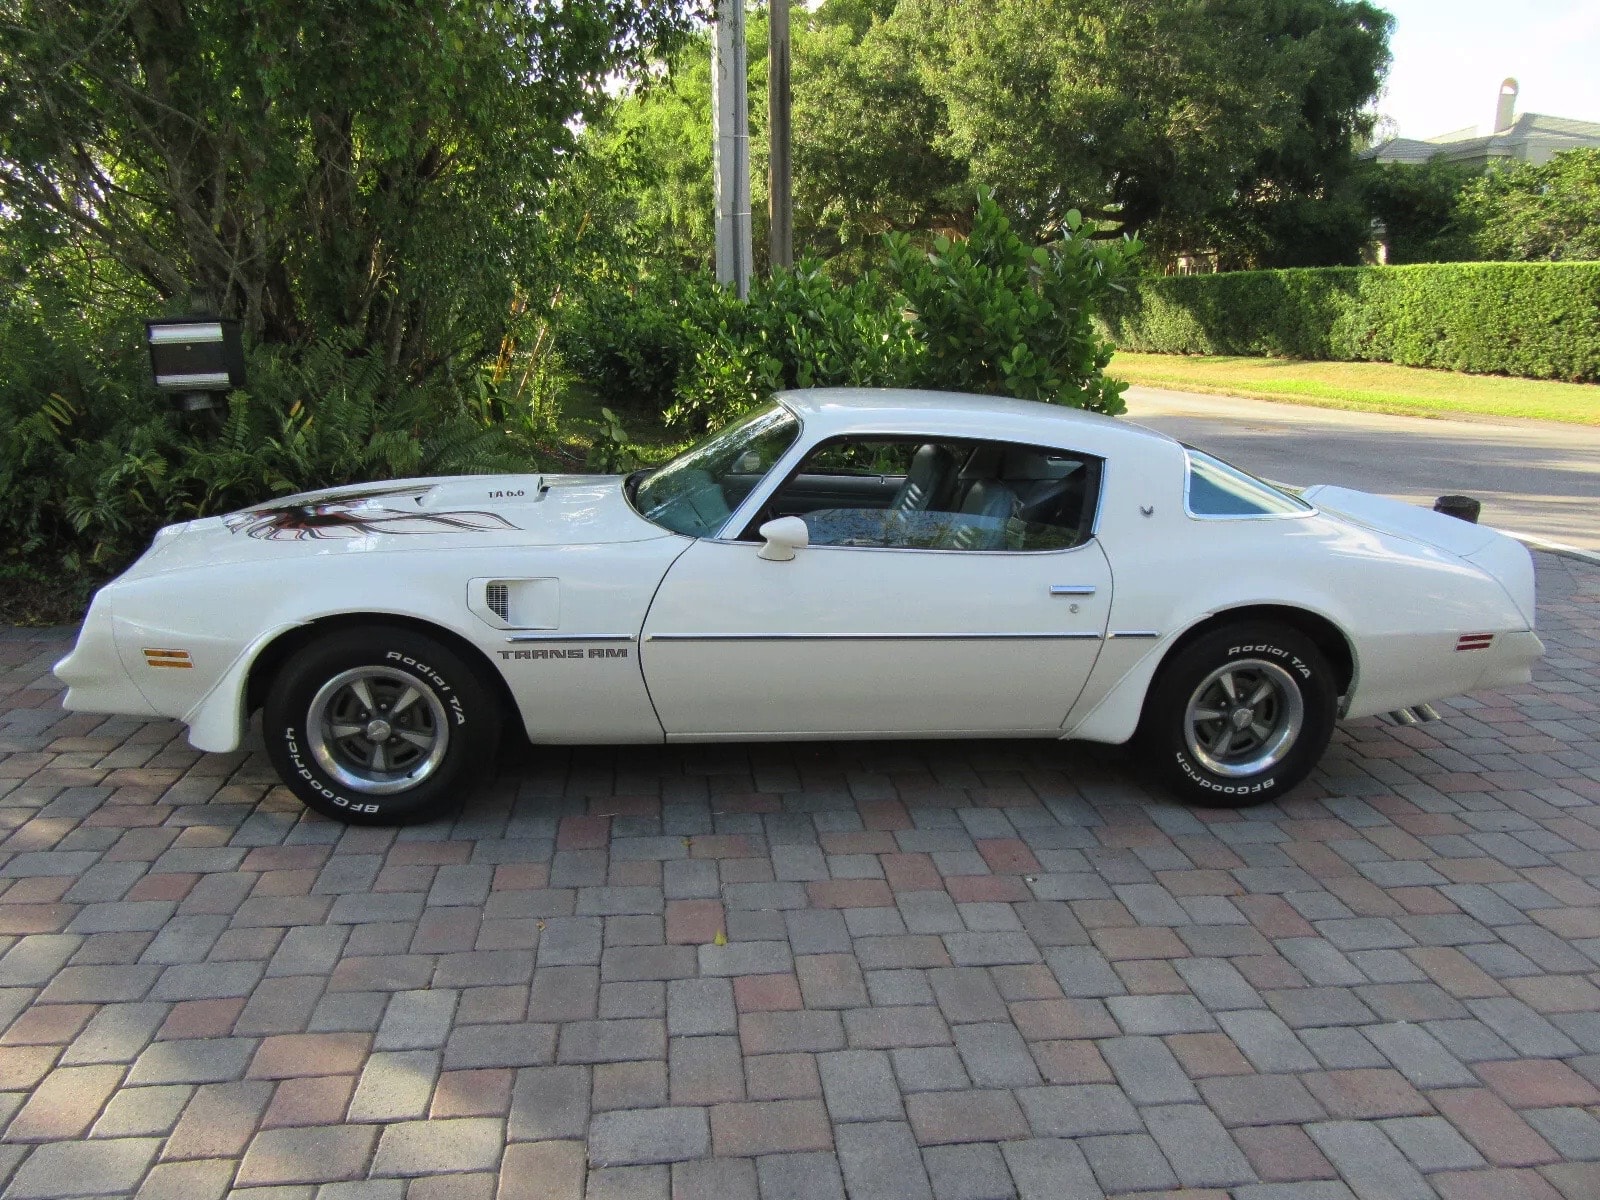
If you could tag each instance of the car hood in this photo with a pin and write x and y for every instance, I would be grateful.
(410, 514)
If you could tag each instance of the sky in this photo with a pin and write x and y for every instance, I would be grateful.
(1450, 56)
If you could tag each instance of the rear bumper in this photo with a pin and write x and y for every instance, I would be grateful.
(1511, 660)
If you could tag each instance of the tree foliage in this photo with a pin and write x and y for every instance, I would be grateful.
(869, 153)
(990, 312)
(1418, 205)
(376, 166)
(1526, 212)
(1188, 123)
(1220, 126)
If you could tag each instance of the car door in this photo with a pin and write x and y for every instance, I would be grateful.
(950, 620)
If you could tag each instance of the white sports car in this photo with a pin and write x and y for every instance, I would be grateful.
(837, 564)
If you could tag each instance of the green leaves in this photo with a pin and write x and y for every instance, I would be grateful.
(1532, 319)
(387, 167)
(986, 313)
(992, 314)
(1525, 212)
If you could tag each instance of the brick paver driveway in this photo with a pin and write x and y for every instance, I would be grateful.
(952, 970)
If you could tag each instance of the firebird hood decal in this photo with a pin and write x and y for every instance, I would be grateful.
(358, 514)
(468, 512)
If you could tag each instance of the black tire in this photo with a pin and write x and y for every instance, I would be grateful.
(362, 767)
(1247, 753)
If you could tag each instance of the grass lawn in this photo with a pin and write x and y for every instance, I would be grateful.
(1365, 387)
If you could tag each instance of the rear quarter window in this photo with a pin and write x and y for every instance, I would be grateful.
(1215, 489)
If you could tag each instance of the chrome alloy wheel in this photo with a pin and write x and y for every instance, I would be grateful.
(378, 730)
(1243, 718)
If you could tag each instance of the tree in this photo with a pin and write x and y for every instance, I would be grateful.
(1179, 121)
(658, 138)
(1418, 207)
(1297, 204)
(868, 156)
(377, 167)
(1526, 212)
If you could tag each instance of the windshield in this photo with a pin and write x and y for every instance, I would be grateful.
(696, 492)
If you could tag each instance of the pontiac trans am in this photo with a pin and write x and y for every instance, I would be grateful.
(836, 564)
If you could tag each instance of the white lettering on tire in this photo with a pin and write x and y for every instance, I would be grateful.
(292, 744)
(1224, 789)
(436, 679)
(1276, 652)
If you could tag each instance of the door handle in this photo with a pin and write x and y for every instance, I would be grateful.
(1072, 589)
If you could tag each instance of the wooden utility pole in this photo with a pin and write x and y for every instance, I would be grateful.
(730, 115)
(780, 193)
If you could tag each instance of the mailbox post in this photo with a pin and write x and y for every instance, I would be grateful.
(195, 359)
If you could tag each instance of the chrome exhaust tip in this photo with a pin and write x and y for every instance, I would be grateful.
(1417, 714)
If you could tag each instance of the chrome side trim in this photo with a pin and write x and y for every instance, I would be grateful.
(1072, 589)
(815, 549)
(872, 637)
(572, 637)
(1133, 633)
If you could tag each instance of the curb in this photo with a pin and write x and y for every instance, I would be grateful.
(1561, 548)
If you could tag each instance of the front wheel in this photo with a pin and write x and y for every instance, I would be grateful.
(1239, 716)
(379, 726)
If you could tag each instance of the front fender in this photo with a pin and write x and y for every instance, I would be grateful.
(217, 721)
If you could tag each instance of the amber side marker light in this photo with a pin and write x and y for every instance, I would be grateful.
(168, 658)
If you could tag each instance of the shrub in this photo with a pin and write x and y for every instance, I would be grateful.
(992, 314)
(798, 329)
(1538, 320)
(988, 313)
(92, 462)
(632, 345)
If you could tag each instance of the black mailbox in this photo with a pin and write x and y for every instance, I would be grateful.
(195, 358)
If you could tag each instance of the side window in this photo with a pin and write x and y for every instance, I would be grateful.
(940, 495)
(1216, 489)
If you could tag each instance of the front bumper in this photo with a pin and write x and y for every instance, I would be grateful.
(94, 674)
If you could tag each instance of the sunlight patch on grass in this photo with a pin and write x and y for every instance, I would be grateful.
(1364, 387)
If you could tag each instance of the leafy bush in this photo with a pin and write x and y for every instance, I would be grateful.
(1538, 320)
(92, 461)
(1529, 212)
(992, 314)
(631, 345)
(988, 313)
(798, 329)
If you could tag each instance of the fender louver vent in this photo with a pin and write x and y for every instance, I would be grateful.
(498, 597)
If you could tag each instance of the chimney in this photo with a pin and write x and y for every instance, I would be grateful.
(1506, 111)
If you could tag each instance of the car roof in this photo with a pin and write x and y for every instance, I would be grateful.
(834, 411)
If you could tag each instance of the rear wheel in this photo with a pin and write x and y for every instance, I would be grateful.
(380, 726)
(1239, 716)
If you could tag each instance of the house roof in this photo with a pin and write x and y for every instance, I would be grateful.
(1551, 134)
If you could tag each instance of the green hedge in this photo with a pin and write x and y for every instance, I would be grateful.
(1538, 320)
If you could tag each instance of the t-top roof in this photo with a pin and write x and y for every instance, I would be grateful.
(964, 415)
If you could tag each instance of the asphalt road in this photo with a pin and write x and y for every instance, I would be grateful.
(1534, 477)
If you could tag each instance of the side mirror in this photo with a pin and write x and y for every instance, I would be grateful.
(784, 536)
